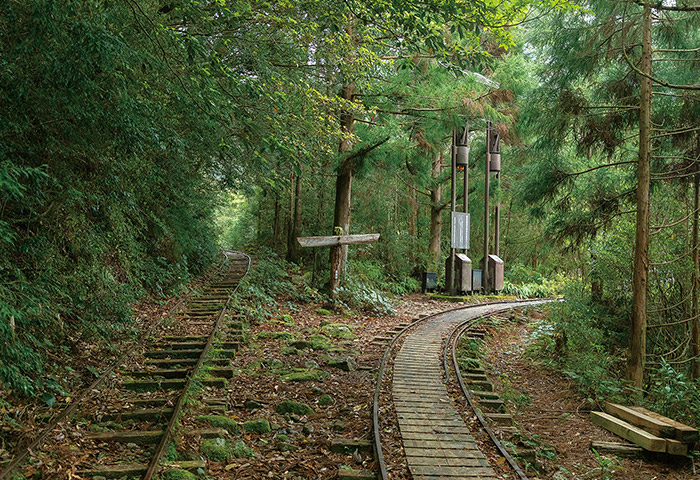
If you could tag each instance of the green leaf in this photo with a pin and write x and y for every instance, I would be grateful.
(49, 399)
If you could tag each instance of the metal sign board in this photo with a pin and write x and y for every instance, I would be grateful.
(460, 230)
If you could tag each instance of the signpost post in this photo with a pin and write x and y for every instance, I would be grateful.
(336, 242)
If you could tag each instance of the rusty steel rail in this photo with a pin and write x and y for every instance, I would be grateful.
(167, 433)
(379, 453)
(451, 345)
(68, 412)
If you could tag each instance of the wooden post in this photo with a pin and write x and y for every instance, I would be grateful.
(336, 242)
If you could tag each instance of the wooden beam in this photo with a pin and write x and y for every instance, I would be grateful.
(337, 240)
(621, 449)
(650, 424)
(674, 447)
(629, 432)
(684, 433)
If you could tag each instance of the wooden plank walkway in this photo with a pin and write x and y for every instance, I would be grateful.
(437, 442)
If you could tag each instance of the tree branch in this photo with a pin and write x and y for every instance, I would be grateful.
(659, 6)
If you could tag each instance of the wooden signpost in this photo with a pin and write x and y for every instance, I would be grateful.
(335, 242)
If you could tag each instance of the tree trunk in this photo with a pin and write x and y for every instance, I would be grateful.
(695, 326)
(507, 234)
(396, 205)
(276, 223)
(434, 248)
(258, 222)
(638, 330)
(290, 217)
(412, 223)
(343, 185)
(293, 249)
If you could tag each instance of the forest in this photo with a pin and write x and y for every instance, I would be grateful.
(138, 138)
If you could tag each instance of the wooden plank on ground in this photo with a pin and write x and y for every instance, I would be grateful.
(684, 433)
(650, 424)
(336, 240)
(629, 432)
(674, 447)
(616, 448)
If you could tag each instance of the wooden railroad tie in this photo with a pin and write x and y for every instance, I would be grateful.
(649, 430)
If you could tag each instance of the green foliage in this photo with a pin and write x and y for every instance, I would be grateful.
(673, 394)
(607, 466)
(359, 296)
(272, 277)
(585, 341)
(104, 175)
(374, 274)
(539, 289)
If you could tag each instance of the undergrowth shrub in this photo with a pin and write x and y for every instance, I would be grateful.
(360, 296)
(373, 274)
(586, 342)
(525, 282)
(272, 278)
(673, 394)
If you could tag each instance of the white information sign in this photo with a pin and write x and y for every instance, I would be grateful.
(460, 230)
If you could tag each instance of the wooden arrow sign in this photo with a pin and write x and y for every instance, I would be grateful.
(337, 240)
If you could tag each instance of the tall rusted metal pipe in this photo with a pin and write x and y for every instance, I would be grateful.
(497, 226)
(466, 174)
(487, 168)
(453, 251)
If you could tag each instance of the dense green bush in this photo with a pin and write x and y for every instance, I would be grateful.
(586, 341)
(673, 394)
(374, 274)
(360, 296)
(106, 190)
(272, 277)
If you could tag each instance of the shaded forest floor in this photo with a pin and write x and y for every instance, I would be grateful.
(342, 349)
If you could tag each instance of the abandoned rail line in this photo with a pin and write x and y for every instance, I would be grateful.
(139, 399)
(437, 442)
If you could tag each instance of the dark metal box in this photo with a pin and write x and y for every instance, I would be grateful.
(429, 282)
(463, 273)
(496, 273)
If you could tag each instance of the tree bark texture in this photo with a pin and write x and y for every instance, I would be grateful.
(695, 325)
(276, 223)
(434, 247)
(638, 327)
(343, 186)
(293, 250)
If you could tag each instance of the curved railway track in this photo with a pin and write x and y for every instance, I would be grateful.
(436, 440)
(139, 399)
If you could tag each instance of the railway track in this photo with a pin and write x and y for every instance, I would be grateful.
(124, 423)
(437, 442)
